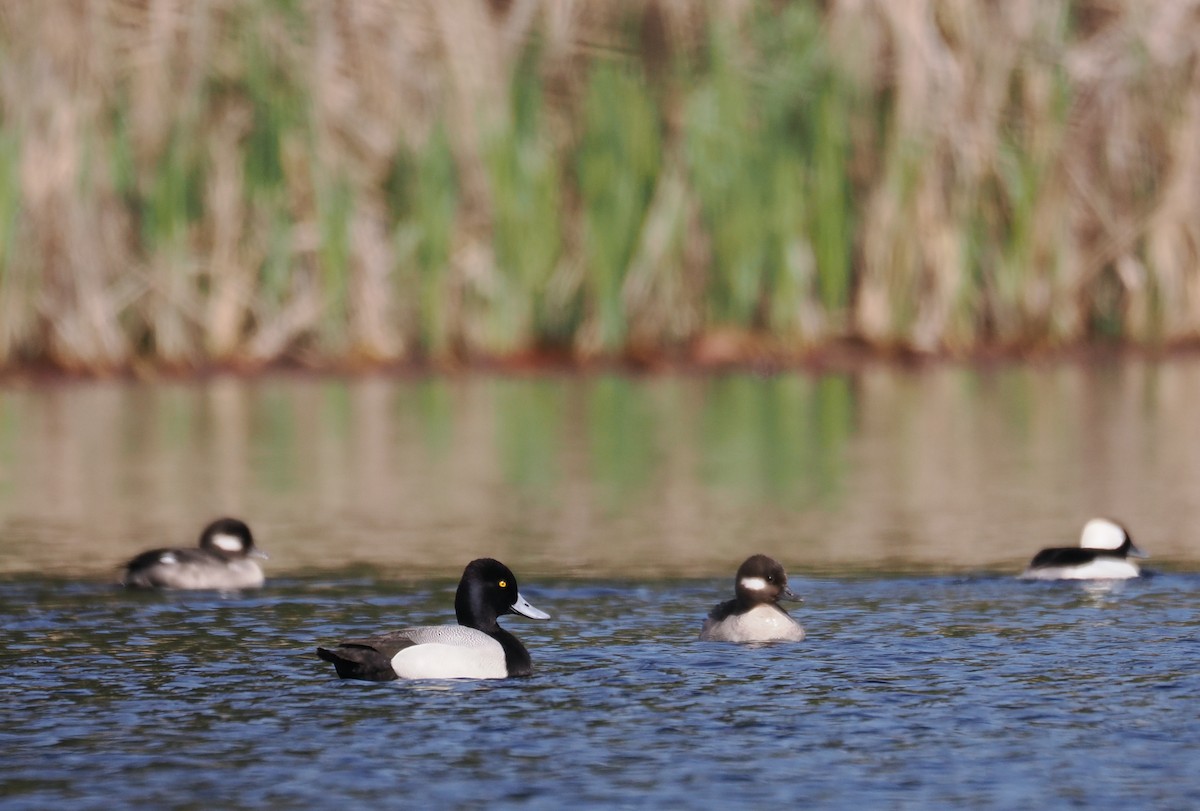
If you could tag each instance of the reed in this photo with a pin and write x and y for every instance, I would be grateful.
(14, 311)
(433, 210)
(240, 182)
(527, 197)
(617, 162)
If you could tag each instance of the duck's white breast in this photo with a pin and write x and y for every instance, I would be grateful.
(1100, 569)
(760, 624)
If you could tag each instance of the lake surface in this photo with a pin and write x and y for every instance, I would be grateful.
(902, 502)
(910, 692)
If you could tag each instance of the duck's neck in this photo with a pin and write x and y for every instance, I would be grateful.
(472, 611)
(516, 658)
(740, 605)
(481, 618)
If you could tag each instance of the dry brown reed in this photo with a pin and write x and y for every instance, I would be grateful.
(235, 181)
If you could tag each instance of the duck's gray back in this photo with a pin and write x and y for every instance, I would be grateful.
(457, 635)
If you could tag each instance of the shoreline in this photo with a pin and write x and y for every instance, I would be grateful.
(720, 355)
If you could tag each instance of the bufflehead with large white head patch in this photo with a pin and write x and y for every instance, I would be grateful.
(1103, 554)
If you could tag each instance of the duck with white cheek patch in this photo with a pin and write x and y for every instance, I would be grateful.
(754, 615)
(1104, 553)
(222, 561)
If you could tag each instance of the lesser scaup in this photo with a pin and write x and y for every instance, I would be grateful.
(754, 614)
(1103, 554)
(221, 561)
(476, 648)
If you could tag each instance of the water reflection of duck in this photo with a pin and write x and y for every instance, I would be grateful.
(754, 615)
(476, 648)
(1103, 554)
(221, 561)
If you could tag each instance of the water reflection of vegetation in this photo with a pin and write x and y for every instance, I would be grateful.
(433, 403)
(781, 437)
(915, 469)
(279, 427)
(622, 433)
(529, 431)
(10, 428)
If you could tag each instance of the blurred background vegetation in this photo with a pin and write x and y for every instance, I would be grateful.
(194, 182)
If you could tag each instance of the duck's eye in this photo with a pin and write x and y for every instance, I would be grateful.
(503, 584)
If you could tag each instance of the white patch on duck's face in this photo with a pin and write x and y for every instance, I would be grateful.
(753, 583)
(168, 558)
(228, 543)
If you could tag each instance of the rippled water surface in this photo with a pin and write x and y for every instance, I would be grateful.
(902, 503)
(910, 692)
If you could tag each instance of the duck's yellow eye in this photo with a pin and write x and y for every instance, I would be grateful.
(503, 584)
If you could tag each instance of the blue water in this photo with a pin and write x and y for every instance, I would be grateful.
(910, 692)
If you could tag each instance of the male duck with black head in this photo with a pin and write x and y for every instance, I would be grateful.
(754, 614)
(1104, 553)
(223, 560)
(476, 648)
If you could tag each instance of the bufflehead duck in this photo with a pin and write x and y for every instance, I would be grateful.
(476, 648)
(754, 614)
(222, 561)
(1103, 554)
